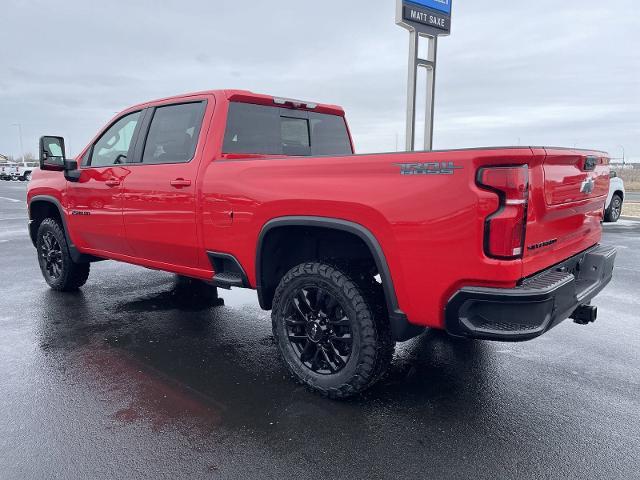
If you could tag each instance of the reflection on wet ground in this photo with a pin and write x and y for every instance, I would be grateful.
(196, 349)
(161, 363)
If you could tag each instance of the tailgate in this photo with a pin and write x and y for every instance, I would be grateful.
(568, 190)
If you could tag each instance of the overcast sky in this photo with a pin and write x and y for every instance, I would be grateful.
(544, 72)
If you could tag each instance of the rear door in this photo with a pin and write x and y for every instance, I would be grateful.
(95, 200)
(568, 192)
(159, 207)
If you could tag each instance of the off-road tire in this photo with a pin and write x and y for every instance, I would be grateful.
(372, 344)
(72, 275)
(374, 292)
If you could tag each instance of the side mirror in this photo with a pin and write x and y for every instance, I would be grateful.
(613, 174)
(52, 154)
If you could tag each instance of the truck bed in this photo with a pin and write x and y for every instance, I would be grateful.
(425, 208)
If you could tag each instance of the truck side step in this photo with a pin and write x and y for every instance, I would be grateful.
(227, 280)
(227, 271)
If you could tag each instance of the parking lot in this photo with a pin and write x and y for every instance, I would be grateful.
(132, 378)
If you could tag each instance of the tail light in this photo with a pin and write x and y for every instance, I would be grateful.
(505, 229)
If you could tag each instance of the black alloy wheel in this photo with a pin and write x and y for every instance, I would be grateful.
(319, 330)
(57, 267)
(51, 256)
(332, 332)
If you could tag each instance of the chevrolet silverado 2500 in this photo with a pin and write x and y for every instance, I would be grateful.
(351, 253)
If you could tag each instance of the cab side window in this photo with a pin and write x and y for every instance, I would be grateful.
(114, 145)
(173, 134)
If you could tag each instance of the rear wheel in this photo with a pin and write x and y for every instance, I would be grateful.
(614, 211)
(328, 332)
(57, 267)
(27, 177)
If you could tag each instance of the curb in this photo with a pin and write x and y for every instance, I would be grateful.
(633, 219)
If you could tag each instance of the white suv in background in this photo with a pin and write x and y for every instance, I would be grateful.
(613, 207)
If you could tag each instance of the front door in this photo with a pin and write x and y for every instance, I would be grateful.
(95, 200)
(159, 205)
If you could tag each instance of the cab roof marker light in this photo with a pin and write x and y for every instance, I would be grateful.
(295, 103)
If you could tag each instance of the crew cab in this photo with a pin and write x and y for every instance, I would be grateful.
(351, 253)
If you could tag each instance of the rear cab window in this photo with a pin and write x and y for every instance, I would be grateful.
(264, 130)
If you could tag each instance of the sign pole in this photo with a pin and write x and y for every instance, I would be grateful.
(431, 93)
(429, 64)
(427, 19)
(412, 80)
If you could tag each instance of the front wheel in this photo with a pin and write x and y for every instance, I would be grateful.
(614, 211)
(328, 332)
(57, 267)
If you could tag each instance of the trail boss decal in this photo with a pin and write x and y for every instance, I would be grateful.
(433, 168)
(540, 245)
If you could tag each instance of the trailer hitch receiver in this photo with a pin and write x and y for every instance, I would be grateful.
(585, 314)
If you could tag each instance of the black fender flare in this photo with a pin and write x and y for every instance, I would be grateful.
(76, 255)
(401, 328)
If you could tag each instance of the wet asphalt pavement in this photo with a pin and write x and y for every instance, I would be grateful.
(131, 378)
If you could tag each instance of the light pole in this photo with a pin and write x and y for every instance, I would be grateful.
(623, 156)
(21, 144)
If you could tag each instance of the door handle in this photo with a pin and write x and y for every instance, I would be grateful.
(112, 182)
(180, 183)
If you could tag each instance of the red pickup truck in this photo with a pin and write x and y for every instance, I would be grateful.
(352, 253)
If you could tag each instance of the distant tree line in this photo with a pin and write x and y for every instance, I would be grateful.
(28, 157)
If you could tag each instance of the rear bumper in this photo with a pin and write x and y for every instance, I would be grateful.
(537, 305)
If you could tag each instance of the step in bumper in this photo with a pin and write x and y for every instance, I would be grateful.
(537, 305)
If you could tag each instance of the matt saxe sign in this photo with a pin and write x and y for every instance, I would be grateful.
(432, 17)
